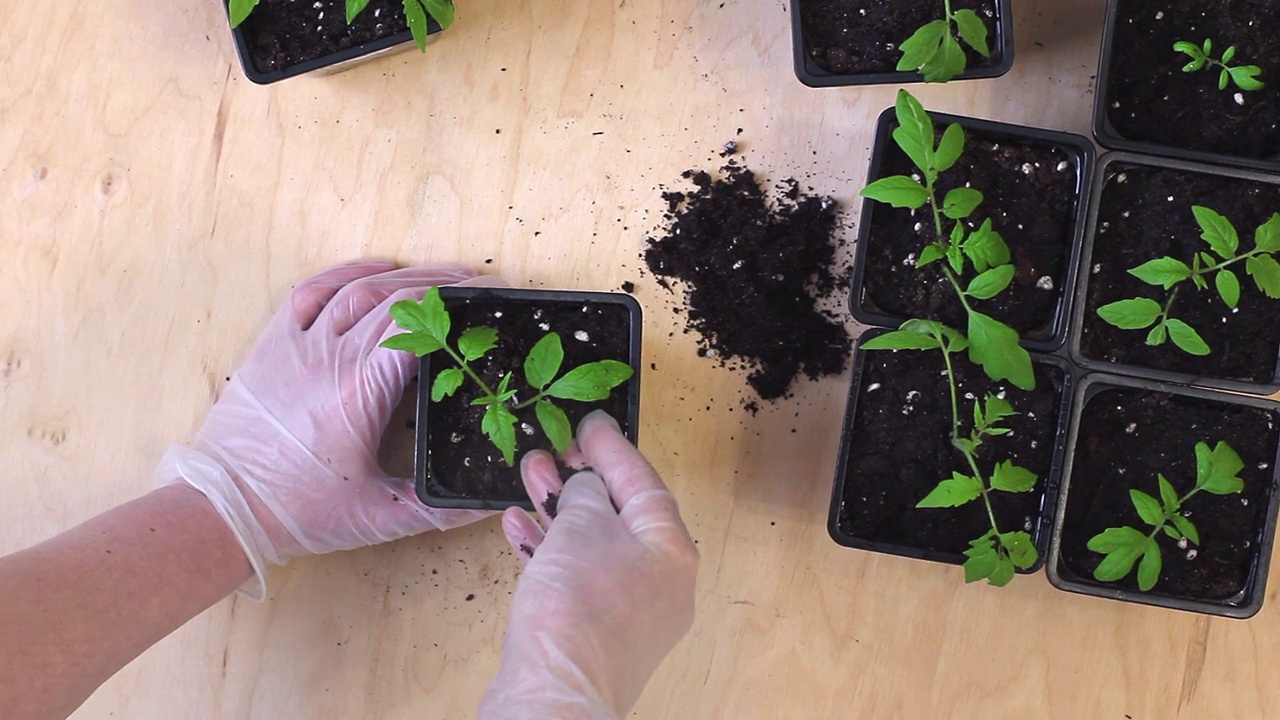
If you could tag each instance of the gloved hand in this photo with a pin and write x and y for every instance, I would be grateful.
(608, 589)
(288, 454)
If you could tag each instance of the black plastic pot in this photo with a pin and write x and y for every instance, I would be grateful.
(1078, 151)
(622, 342)
(1084, 499)
(1110, 170)
(811, 74)
(1108, 99)
(329, 64)
(841, 524)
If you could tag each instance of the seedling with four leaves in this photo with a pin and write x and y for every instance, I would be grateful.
(416, 13)
(1245, 77)
(1216, 473)
(1171, 274)
(933, 49)
(427, 325)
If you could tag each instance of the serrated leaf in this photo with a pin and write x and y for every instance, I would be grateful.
(997, 409)
(1116, 538)
(446, 384)
(953, 340)
(499, 424)
(1185, 337)
(504, 392)
(354, 8)
(1245, 77)
(1228, 286)
(555, 424)
(949, 148)
(1149, 568)
(902, 340)
(931, 253)
(1158, 335)
(435, 317)
(947, 63)
(416, 343)
(1164, 272)
(1225, 460)
(543, 361)
(952, 492)
(1265, 272)
(1186, 528)
(1267, 237)
(1216, 470)
(1012, 478)
(1217, 231)
(416, 317)
(1122, 547)
(898, 191)
(1168, 496)
(960, 202)
(920, 48)
(980, 565)
(590, 382)
(991, 283)
(239, 10)
(1022, 551)
(973, 31)
(1131, 314)
(994, 346)
(914, 133)
(1003, 573)
(985, 248)
(1148, 508)
(475, 342)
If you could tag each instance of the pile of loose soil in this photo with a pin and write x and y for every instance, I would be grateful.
(755, 270)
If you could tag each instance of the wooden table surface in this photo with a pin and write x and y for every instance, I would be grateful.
(154, 205)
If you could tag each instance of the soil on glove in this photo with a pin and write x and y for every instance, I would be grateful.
(753, 270)
(284, 33)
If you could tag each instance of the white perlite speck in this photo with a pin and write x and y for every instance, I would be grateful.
(873, 387)
(526, 428)
(1045, 283)
(581, 336)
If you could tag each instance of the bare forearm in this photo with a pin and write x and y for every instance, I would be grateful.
(78, 607)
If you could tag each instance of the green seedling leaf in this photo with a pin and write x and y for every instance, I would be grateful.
(955, 257)
(1165, 272)
(1229, 54)
(952, 339)
(931, 253)
(922, 46)
(1171, 532)
(1158, 335)
(354, 8)
(1225, 460)
(239, 10)
(914, 133)
(1217, 231)
(1122, 547)
(1149, 568)
(590, 382)
(985, 248)
(1004, 572)
(1265, 272)
(960, 202)
(897, 191)
(1012, 478)
(1186, 528)
(949, 148)
(413, 342)
(504, 390)
(1168, 496)
(1267, 237)
(997, 409)
(499, 424)
(475, 342)
(1148, 509)
(994, 346)
(953, 492)
(948, 63)
(543, 362)
(1185, 337)
(416, 14)
(982, 560)
(1245, 77)
(973, 31)
(1131, 314)
(555, 424)
(1228, 286)
(1020, 548)
(446, 384)
(441, 10)
(427, 317)
(1224, 78)
(902, 340)
(991, 283)
(1216, 470)
(1208, 46)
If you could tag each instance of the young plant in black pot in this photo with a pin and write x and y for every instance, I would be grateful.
(279, 39)
(845, 42)
(1190, 79)
(507, 371)
(1179, 278)
(1177, 481)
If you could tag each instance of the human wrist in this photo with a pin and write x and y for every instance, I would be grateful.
(222, 553)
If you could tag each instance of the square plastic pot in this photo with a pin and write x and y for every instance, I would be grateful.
(434, 493)
(1249, 601)
(1078, 149)
(809, 73)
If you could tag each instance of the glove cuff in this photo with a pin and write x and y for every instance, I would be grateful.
(184, 465)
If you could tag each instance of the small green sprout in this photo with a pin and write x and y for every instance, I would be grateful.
(933, 49)
(1216, 473)
(991, 343)
(427, 326)
(1244, 76)
(994, 555)
(1169, 273)
(416, 13)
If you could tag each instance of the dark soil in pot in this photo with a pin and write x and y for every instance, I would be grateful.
(461, 461)
(1145, 213)
(901, 449)
(1150, 99)
(848, 37)
(1126, 436)
(1030, 195)
(284, 33)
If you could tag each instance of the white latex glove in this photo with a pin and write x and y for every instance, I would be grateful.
(607, 593)
(288, 454)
